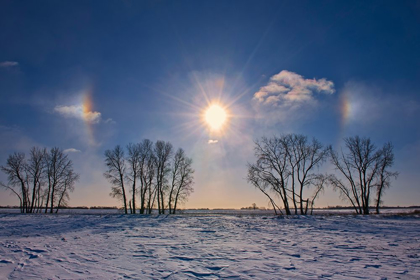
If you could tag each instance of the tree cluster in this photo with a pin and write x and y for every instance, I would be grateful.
(43, 181)
(149, 175)
(287, 166)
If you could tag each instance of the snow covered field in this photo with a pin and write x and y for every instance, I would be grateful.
(208, 247)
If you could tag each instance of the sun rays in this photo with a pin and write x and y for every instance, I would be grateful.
(207, 106)
(215, 116)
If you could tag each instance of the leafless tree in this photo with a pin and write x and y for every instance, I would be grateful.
(146, 174)
(285, 167)
(157, 175)
(150, 188)
(36, 173)
(28, 178)
(304, 157)
(260, 181)
(320, 182)
(163, 152)
(181, 180)
(385, 176)
(114, 160)
(364, 168)
(16, 171)
(58, 165)
(134, 161)
(270, 174)
(66, 186)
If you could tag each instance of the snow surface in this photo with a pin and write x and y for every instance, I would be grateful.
(208, 247)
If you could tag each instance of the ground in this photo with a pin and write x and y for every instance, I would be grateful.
(192, 246)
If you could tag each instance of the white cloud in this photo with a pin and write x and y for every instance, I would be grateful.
(110, 121)
(287, 95)
(72, 150)
(78, 112)
(287, 86)
(8, 64)
(211, 141)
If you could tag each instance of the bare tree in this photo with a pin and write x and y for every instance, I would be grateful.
(285, 167)
(150, 188)
(114, 160)
(27, 179)
(163, 153)
(362, 166)
(258, 180)
(146, 174)
(304, 157)
(36, 173)
(15, 170)
(57, 167)
(270, 173)
(134, 161)
(181, 180)
(320, 182)
(66, 186)
(385, 176)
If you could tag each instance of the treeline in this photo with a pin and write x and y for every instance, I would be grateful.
(286, 168)
(149, 175)
(42, 182)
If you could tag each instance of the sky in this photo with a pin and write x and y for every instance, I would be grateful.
(88, 75)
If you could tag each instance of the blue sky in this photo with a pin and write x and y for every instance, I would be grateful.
(141, 67)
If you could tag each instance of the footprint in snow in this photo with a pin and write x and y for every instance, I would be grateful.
(373, 265)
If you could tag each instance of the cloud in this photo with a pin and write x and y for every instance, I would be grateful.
(5, 64)
(110, 121)
(72, 150)
(213, 141)
(78, 112)
(289, 87)
(288, 94)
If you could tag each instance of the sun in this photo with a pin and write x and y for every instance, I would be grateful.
(215, 116)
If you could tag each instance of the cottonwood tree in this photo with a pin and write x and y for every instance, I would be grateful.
(36, 175)
(385, 176)
(270, 174)
(15, 170)
(57, 168)
(319, 181)
(364, 168)
(133, 160)
(157, 176)
(46, 178)
(146, 175)
(67, 186)
(304, 156)
(114, 160)
(181, 180)
(284, 168)
(162, 154)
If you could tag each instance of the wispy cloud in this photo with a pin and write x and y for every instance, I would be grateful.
(5, 64)
(78, 112)
(211, 141)
(287, 94)
(72, 150)
(110, 121)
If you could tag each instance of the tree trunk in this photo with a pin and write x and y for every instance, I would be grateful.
(134, 197)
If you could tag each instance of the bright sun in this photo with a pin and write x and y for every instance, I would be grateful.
(215, 117)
